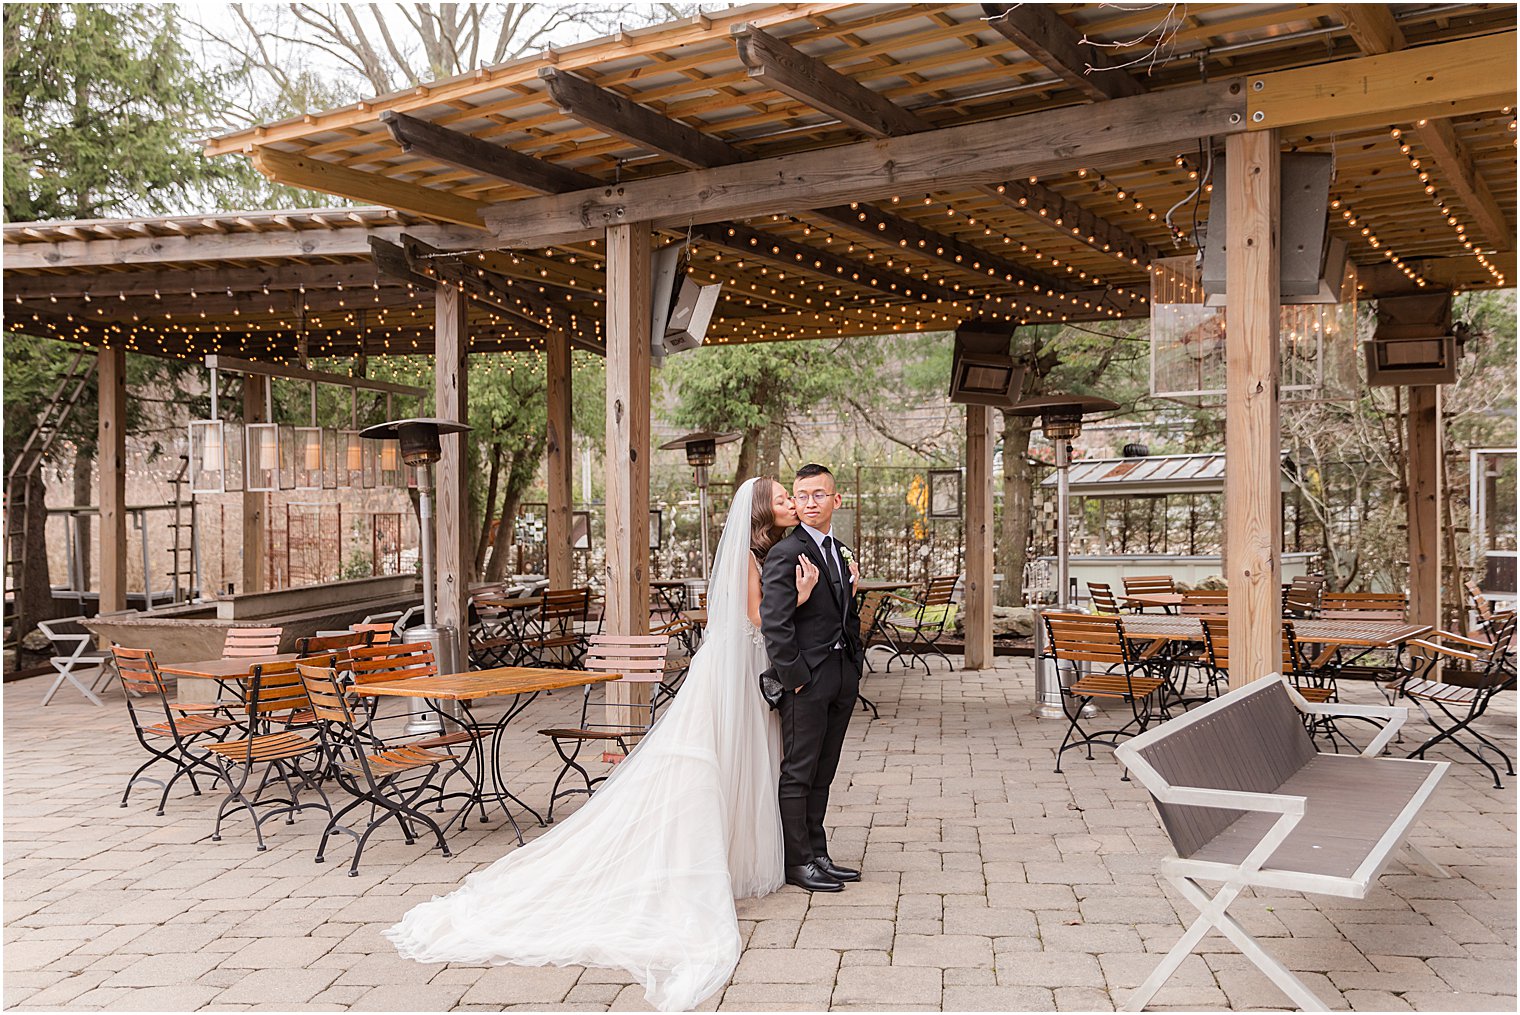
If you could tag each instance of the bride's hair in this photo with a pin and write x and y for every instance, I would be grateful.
(764, 532)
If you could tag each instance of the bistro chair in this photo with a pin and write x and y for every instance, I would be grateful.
(274, 693)
(377, 778)
(77, 656)
(1364, 605)
(1101, 595)
(1082, 643)
(252, 642)
(875, 611)
(1205, 603)
(1149, 585)
(684, 639)
(1460, 677)
(1301, 596)
(1490, 622)
(922, 621)
(175, 738)
(559, 639)
(638, 659)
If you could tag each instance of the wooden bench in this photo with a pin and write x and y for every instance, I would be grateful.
(1249, 802)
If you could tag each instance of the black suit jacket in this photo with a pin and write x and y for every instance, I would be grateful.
(798, 638)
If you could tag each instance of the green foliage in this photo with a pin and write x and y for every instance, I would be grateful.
(751, 387)
(104, 110)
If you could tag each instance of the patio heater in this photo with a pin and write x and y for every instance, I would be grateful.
(421, 449)
(701, 454)
(1061, 422)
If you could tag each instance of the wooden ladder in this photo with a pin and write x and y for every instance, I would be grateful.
(71, 386)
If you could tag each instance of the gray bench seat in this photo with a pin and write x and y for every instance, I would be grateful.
(1248, 802)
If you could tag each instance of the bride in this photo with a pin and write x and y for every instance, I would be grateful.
(643, 877)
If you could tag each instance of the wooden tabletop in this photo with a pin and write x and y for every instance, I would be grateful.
(880, 585)
(698, 617)
(671, 583)
(1363, 633)
(223, 669)
(1162, 599)
(503, 680)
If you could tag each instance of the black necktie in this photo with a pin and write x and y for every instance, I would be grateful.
(833, 563)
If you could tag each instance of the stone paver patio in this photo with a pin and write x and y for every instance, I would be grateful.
(991, 884)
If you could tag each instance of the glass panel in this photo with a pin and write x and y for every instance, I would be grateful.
(263, 457)
(208, 456)
(330, 466)
(307, 443)
(288, 457)
(234, 448)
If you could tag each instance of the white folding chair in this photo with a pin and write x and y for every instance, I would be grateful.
(80, 657)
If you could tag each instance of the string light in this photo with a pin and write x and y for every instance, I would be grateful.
(1426, 177)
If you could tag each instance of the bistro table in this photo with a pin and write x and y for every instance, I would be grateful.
(1168, 601)
(224, 671)
(522, 683)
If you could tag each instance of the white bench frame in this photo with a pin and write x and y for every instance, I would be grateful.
(83, 657)
(1250, 872)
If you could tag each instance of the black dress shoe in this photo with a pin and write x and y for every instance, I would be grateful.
(833, 870)
(812, 877)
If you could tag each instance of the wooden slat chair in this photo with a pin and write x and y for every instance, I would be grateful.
(273, 694)
(173, 739)
(1101, 595)
(1216, 635)
(1364, 605)
(684, 638)
(1301, 596)
(340, 647)
(1149, 585)
(252, 642)
(1489, 625)
(375, 634)
(1205, 603)
(1460, 676)
(1248, 803)
(402, 661)
(1216, 655)
(923, 621)
(77, 656)
(559, 638)
(875, 611)
(640, 659)
(1084, 643)
(374, 778)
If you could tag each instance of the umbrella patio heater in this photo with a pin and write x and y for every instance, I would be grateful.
(421, 449)
(701, 454)
(1061, 422)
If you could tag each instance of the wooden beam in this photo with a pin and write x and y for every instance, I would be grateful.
(613, 114)
(113, 284)
(231, 364)
(111, 379)
(979, 538)
(391, 261)
(255, 542)
(166, 250)
(1039, 31)
(456, 557)
(1424, 439)
(1372, 27)
(629, 282)
(559, 450)
(811, 81)
(331, 178)
(1253, 494)
(1121, 131)
(1458, 171)
(423, 260)
(455, 148)
(1425, 82)
(1072, 220)
(1463, 272)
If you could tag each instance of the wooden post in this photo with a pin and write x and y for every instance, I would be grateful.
(1253, 491)
(559, 449)
(112, 382)
(1425, 440)
(255, 505)
(979, 538)
(455, 564)
(628, 310)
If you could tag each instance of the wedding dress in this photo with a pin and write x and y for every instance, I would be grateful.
(643, 877)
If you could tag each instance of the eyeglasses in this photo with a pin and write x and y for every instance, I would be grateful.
(816, 497)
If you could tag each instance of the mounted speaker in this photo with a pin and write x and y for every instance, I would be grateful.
(982, 372)
(681, 308)
(1312, 264)
(1415, 342)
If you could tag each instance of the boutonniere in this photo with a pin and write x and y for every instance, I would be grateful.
(847, 554)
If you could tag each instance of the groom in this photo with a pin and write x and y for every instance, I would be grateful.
(815, 652)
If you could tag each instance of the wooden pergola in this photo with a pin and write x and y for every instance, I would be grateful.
(858, 169)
